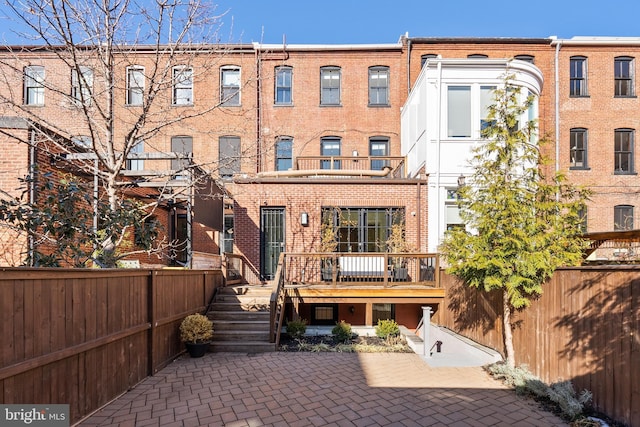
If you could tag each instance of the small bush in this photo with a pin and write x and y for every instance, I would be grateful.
(387, 328)
(196, 328)
(342, 331)
(296, 328)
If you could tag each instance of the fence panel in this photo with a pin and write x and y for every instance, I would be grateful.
(585, 328)
(83, 337)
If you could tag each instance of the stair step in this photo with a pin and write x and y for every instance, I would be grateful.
(246, 290)
(242, 346)
(241, 325)
(244, 336)
(239, 315)
(244, 299)
(238, 306)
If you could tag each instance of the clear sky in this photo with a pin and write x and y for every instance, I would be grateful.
(377, 21)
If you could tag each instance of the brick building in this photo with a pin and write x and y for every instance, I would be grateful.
(290, 131)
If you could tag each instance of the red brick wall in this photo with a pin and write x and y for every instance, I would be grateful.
(306, 121)
(600, 113)
(14, 164)
(310, 195)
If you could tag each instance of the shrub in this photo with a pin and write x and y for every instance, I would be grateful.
(387, 328)
(570, 404)
(342, 331)
(296, 328)
(196, 328)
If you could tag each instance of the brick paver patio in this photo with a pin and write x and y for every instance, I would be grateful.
(319, 389)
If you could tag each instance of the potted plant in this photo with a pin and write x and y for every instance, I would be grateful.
(397, 244)
(196, 331)
(328, 244)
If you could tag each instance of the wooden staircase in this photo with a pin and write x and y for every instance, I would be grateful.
(241, 319)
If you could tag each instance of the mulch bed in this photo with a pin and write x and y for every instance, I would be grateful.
(309, 342)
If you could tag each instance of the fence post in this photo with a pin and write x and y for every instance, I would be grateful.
(426, 326)
(152, 316)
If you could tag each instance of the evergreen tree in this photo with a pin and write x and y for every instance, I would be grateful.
(520, 226)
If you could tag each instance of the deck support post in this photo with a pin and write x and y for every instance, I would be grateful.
(426, 328)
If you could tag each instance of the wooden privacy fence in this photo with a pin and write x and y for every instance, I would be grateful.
(584, 328)
(83, 337)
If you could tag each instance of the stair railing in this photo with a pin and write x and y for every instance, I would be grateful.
(277, 302)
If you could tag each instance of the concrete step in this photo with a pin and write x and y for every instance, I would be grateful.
(241, 347)
(241, 325)
(244, 299)
(244, 336)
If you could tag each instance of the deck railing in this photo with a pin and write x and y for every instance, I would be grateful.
(355, 269)
(353, 163)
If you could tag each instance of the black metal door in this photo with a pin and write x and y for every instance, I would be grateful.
(272, 240)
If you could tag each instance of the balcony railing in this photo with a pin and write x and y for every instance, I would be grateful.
(352, 164)
(360, 269)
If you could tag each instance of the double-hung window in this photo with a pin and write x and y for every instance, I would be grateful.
(378, 147)
(229, 156)
(623, 217)
(81, 85)
(135, 85)
(34, 85)
(578, 148)
(284, 153)
(578, 76)
(330, 147)
(136, 164)
(182, 85)
(330, 85)
(230, 86)
(283, 86)
(623, 75)
(623, 151)
(379, 86)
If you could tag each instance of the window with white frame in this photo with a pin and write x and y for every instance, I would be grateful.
(330, 85)
(379, 85)
(34, 85)
(135, 85)
(458, 111)
(578, 76)
(427, 56)
(623, 151)
(578, 148)
(486, 101)
(182, 85)
(452, 210)
(623, 75)
(230, 86)
(623, 217)
(82, 85)
(283, 86)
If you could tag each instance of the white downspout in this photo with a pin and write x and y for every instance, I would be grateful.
(438, 172)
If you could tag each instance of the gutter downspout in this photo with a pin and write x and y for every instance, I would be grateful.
(438, 142)
(557, 105)
(408, 65)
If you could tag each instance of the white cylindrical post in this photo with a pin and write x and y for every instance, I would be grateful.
(426, 328)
